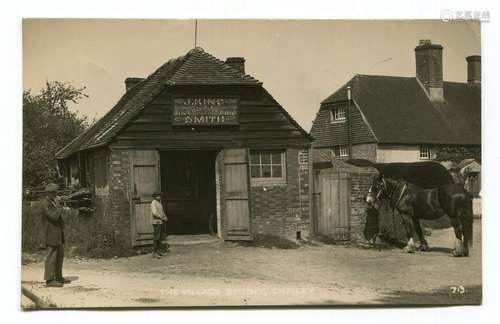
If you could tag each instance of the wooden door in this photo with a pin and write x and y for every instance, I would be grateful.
(144, 166)
(332, 211)
(236, 195)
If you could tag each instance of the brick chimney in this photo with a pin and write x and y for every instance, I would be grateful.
(429, 68)
(131, 82)
(237, 63)
(474, 70)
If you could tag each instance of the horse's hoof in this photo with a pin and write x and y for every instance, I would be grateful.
(408, 250)
(458, 254)
(424, 248)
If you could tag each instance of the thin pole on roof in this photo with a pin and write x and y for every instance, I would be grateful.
(195, 31)
(349, 125)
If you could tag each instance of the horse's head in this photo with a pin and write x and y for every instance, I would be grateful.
(377, 191)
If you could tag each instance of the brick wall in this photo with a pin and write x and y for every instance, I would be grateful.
(118, 220)
(283, 209)
(364, 224)
(366, 151)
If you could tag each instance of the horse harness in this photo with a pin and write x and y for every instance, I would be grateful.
(391, 195)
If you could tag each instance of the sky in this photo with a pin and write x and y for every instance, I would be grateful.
(300, 62)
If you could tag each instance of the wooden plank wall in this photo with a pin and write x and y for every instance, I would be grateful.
(332, 210)
(262, 124)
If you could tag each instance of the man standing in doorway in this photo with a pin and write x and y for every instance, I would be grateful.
(159, 217)
(54, 238)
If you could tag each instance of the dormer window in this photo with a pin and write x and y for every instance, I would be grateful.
(337, 115)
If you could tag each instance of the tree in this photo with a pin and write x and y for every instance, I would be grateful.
(48, 125)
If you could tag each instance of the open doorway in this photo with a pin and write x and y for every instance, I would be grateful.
(188, 182)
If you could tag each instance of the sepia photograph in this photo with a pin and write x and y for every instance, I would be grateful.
(194, 163)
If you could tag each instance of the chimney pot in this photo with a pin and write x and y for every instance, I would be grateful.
(131, 82)
(429, 68)
(474, 70)
(237, 63)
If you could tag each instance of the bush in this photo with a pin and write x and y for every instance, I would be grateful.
(84, 234)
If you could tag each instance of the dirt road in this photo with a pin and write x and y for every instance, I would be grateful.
(222, 273)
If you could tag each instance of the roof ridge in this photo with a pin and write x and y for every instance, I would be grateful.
(385, 76)
(325, 101)
(231, 68)
(198, 52)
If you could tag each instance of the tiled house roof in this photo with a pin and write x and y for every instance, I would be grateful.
(196, 67)
(398, 111)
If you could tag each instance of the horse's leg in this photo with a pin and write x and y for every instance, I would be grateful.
(459, 245)
(418, 228)
(407, 217)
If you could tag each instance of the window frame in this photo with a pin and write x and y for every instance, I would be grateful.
(341, 148)
(267, 181)
(336, 116)
(425, 152)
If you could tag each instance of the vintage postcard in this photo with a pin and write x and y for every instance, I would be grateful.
(195, 163)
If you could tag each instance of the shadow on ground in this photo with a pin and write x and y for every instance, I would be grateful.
(440, 249)
(442, 296)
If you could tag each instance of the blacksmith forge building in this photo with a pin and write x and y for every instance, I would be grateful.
(229, 159)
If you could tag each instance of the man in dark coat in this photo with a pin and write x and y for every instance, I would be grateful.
(54, 238)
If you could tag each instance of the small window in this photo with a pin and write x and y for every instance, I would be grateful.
(303, 157)
(267, 167)
(340, 151)
(425, 152)
(337, 115)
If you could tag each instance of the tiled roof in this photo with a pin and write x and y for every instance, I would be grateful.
(399, 112)
(196, 67)
(200, 67)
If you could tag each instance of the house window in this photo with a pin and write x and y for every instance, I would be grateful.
(267, 167)
(303, 157)
(337, 115)
(425, 152)
(340, 151)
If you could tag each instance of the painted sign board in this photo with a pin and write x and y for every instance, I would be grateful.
(191, 111)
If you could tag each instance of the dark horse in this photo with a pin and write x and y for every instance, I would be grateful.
(414, 203)
(427, 175)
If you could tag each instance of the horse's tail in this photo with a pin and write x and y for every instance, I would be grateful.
(467, 220)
